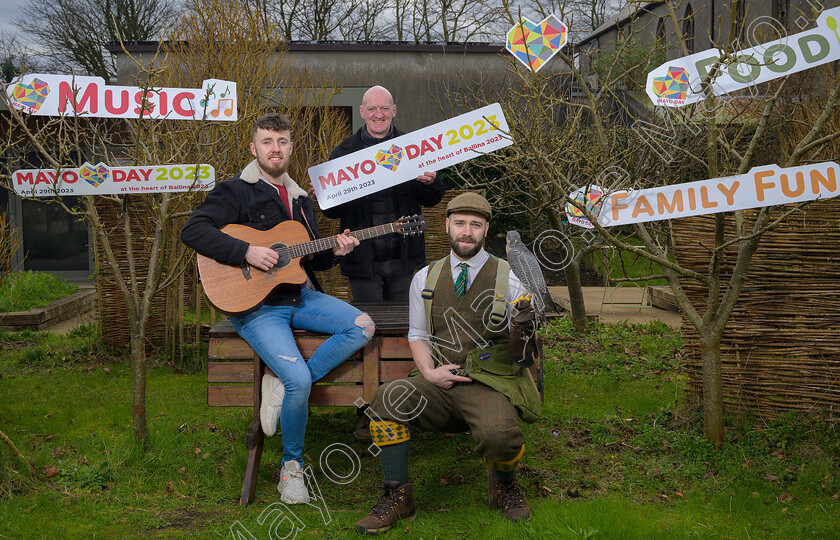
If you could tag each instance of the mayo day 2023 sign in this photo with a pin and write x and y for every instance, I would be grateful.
(103, 180)
(767, 185)
(678, 82)
(404, 158)
(57, 95)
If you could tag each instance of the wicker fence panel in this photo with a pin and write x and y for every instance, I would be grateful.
(781, 347)
(113, 316)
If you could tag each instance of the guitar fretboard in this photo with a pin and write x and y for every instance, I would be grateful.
(320, 244)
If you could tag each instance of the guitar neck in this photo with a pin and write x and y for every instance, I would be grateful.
(321, 244)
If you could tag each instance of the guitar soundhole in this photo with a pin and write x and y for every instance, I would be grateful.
(282, 251)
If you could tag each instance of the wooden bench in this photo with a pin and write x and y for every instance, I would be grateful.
(234, 374)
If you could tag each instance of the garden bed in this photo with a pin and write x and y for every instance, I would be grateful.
(60, 310)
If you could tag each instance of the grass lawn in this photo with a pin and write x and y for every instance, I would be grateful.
(22, 291)
(616, 455)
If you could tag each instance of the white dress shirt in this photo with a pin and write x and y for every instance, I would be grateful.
(418, 329)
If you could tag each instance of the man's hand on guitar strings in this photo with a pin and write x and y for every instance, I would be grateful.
(261, 257)
(346, 243)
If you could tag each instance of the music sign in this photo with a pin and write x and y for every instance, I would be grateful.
(103, 180)
(404, 158)
(58, 95)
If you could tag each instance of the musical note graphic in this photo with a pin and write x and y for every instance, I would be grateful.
(227, 112)
(210, 93)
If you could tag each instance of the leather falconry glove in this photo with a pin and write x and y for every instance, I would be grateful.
(522, 341)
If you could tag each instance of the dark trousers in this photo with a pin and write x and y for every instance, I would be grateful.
(474, 407)
(389, 283)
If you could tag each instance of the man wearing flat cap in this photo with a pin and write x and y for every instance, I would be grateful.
(460, 313)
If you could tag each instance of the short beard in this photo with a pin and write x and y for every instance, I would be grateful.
(470, 253)
(274, 171)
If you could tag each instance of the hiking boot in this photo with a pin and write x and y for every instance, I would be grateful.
(362, 432)
(396, 503)
(292, 487)
(507, 497)
(270, 403)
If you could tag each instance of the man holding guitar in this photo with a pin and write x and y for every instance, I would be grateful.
(261, 198)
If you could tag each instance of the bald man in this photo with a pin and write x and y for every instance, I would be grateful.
(381, 269)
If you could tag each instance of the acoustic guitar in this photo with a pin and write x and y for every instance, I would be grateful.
(239, 290)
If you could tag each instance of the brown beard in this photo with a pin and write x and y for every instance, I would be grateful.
(273, 170)
(453, 243)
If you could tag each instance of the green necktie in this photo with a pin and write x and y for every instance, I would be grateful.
(461, 282)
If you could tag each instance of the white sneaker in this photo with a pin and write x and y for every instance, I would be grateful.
(292, 486)
(272, 399)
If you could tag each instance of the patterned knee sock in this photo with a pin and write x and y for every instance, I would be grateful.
(392, 439)
(394, 460)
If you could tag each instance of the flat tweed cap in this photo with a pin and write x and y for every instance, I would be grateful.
(470, 202)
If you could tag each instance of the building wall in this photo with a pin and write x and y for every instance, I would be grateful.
(423, 79)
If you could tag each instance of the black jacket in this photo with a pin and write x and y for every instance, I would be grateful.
(407, 199)
(248, 200)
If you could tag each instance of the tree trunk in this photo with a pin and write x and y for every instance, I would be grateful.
(138, 379)
(572, 273)
(712, 390)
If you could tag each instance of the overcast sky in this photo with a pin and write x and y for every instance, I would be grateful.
(9, 11)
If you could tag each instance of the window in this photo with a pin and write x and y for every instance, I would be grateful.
(688, 28)
(53, 240)
(661, 48)
(660, 32)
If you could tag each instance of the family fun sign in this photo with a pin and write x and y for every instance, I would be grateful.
(677, 82)
(767, 185)
(404, 158)
(103, 180)
(57, 95)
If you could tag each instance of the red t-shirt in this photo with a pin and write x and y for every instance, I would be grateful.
(284, 196)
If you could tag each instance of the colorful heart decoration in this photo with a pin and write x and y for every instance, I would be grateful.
(30, 97)
(535, 44)
(674, 85)
(593, 201)
(94, 175)
(390, 159)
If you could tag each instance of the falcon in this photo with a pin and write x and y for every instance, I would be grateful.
(526, 267)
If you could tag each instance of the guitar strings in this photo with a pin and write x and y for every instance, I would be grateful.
(320, 244)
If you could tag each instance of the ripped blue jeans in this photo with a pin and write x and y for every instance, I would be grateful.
(269, 332)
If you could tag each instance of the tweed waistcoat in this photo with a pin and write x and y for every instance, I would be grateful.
(462, 314)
